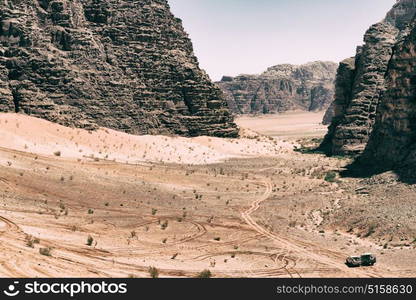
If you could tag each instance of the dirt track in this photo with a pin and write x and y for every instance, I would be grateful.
(284, 257)
(251, 217)
(302, 249)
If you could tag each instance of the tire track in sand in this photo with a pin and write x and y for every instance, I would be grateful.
(291, 244)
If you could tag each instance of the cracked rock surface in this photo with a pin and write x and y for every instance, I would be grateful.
(374, 86)
(125, 65)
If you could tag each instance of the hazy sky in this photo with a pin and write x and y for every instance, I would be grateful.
(231, 37)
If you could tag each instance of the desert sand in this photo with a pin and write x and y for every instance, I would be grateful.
(75, 203)
(290, 125)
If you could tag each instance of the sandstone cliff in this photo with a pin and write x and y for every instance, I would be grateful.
(393, 141)
(361, 82)
(329, 115)
(282, 88)
(126, 65)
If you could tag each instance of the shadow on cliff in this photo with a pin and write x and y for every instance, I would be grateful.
(361, 169)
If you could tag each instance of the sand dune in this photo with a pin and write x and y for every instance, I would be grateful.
(28, 134)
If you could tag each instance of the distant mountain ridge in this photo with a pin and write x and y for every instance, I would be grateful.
(285, 87)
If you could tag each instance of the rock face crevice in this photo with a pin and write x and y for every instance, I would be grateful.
(343, 95)
(393, 141)
(282, 88)
(361, 85)
(126, 65)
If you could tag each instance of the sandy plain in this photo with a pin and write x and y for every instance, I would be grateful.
(108, 204)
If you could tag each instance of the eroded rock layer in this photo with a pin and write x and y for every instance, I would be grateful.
(393, 141)
(361, 86)
(126, 65)
(343, 86)
(282, 88)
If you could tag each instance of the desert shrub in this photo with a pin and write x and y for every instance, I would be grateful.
(371, 231)
(204, 274)
(292, 224)
(330, 176)
(31, 241)
(45, 251)
(90, 239)
(153, 272)
(164, 225)
(57, 153)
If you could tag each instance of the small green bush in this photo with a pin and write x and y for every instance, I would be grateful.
(204, 274)
(90, 240)
(153, 272)
(330, 177)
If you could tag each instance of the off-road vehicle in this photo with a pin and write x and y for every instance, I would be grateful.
(367, 259)
(353, 261)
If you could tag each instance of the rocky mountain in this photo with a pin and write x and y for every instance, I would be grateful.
(126, 65)
(329, 115)
(393, 140)
(366, 86)
(282, 88)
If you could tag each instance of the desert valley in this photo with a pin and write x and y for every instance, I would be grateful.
(108, 204)
(119, 157)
